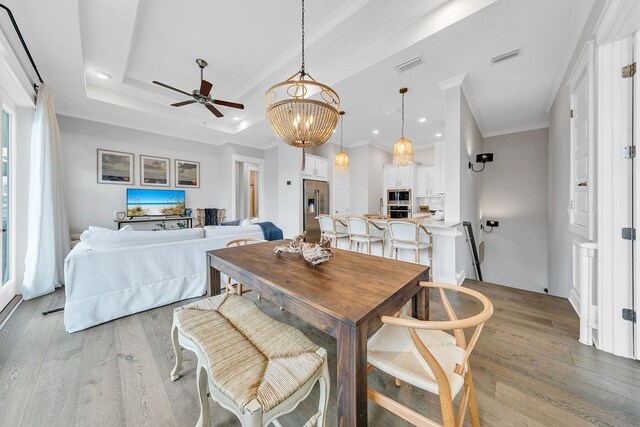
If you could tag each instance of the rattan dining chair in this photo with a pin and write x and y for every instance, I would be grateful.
(240, 242)
(423, 355)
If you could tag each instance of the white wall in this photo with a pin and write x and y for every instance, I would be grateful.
(359, 180)
(377, 159)
(424, 156)
(290, 196)
(559, 237)
(514, 192)
(471, 143)
(90, 203)
(270, 197)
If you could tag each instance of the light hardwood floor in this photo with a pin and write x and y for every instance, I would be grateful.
(529, 370)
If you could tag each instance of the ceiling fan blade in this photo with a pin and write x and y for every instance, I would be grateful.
(229, 104)
(172, 88)
(214, 110)
(180, 104)
(205, 88)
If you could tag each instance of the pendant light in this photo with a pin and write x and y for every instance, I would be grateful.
(402, 149)
(297, 119)
(341, 162)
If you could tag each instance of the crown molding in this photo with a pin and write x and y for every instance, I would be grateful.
(456, 81)
(524, 128)
(579, 16)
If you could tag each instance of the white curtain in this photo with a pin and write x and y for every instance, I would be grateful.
(48, 228)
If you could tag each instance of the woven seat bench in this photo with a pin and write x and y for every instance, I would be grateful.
(254, 366)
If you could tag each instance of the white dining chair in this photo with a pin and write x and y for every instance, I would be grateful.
(361, 232)
(424, 355)
(240, 242)
(332, 228)
(412, 236)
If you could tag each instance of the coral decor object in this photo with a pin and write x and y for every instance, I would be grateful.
(314, 253)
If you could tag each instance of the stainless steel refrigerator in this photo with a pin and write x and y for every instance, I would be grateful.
(315, 201)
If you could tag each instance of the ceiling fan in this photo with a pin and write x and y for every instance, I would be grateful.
(202, 95)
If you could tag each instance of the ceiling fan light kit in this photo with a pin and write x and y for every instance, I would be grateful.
(297, 119)
(403, 149)
(202, 95)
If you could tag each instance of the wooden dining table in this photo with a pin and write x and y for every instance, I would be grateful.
(345, 297)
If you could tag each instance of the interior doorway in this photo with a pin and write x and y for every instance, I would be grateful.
(247, 187)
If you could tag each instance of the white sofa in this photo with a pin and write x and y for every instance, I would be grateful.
(111, 274)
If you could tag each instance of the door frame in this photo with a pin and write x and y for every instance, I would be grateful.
(584, 69)
(10, 289)
(614, 261)
(235, 159)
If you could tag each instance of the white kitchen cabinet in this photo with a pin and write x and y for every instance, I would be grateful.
(399, 176)
(425, 180)
(440, 157)
(316, 168)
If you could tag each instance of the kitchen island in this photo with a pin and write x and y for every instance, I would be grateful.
(444, 248)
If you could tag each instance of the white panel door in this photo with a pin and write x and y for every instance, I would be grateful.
(341, 193)
(8, 286)
(580, 154)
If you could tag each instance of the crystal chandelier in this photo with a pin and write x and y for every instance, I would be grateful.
(297, 119)
(402, 149)
(341, 162)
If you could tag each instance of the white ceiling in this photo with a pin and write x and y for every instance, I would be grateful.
(251, 45)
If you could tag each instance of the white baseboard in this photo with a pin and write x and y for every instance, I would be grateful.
(460, 277)
(574, 299)
(444, 280)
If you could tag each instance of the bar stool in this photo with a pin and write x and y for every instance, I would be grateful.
(332, 228)
(406, 235)
(360, 232)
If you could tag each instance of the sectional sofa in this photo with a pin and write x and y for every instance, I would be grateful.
(111, 274)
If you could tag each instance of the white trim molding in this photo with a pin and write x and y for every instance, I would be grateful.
(525, 128)
(235, 158)
(584, 68)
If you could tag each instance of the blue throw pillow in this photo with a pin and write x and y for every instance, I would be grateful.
(236, 222)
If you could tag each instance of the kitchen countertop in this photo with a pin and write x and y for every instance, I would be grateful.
(424, 220)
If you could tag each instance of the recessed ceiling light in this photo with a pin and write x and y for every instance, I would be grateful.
(376, 131)
(438, 135)
(334, 131)
(236, 118)
(102, 75)
(422, 119)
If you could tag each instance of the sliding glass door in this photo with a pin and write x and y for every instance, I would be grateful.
(7, 283)
(4, 245)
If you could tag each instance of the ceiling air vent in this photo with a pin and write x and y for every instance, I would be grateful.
(409, 64)
(507, 55)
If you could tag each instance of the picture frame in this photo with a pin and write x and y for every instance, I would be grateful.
(187, 174)
(115, 167)
(155, 171)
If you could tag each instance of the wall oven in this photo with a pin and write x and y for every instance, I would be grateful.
(399, 211)
(398, 197)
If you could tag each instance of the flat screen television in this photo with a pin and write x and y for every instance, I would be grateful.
(143, 202)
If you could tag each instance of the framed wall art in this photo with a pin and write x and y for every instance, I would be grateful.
(115, 167)
(187, 174)
(154, 171)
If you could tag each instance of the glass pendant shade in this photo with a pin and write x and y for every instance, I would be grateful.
(402, 152)
(341, 163)
(402, 149)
